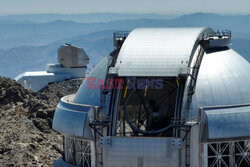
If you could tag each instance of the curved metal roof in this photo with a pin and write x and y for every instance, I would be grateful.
(223, 79)
(158, 51)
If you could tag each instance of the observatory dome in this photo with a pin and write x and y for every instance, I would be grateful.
(180, 92)
(223, 77)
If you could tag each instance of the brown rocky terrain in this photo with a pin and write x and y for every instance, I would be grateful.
(26, 137)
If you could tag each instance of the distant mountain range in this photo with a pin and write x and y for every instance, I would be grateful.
(16, 33)
(82, 18)
(28, 45)
(34, 58)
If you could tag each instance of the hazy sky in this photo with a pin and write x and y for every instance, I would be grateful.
(124, 6)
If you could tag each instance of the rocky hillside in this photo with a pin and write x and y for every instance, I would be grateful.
(57, 90)
(26, 137)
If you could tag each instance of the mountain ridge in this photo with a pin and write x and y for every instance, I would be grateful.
(17, 34)
(27, 49)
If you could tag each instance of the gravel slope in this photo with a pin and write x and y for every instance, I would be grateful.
(26, 137)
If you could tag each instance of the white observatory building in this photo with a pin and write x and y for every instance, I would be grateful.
(72, 61)
(171, 97)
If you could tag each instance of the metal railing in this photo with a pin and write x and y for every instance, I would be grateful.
(119, 37)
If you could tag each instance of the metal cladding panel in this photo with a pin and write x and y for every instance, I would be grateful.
(223, 79)
(72, 119)
(140, 152)
(91, 96)
(71, 56)
(158, 51)
(225, 122)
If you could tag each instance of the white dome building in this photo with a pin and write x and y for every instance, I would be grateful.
(176, 97)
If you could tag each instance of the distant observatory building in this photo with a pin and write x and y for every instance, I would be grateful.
(72, 61)
(172, 97)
